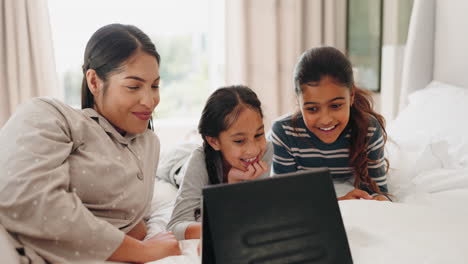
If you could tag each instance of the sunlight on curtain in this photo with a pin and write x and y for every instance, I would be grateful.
(26, 55)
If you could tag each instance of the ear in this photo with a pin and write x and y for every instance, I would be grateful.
(214, 142)
(94, 82)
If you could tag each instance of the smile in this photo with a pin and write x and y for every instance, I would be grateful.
(250, 161)
(328, 129)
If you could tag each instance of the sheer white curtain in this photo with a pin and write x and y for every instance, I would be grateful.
(26, 54)
(264, 39)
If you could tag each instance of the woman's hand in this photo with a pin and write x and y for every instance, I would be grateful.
(356, 194)
(139, 231)
(161, 245)
(253, 171)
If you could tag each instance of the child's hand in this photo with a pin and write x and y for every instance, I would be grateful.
(253, 171)
(380, 198)
(356, 194)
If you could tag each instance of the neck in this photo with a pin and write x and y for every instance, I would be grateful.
(121, 131)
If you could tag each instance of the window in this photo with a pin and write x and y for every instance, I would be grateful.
(188, 35)
(364, 41)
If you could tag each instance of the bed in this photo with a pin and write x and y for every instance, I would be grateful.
(427, 149)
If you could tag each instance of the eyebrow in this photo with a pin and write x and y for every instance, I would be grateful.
(329, 101)
(140, 79)
(241, 133)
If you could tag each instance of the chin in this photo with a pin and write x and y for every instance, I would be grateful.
(328, 140)
(139, 131)
(136, 130)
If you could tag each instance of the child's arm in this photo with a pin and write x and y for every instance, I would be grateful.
(356, 194)
(283, 159)
(195, 177)
(193, 231)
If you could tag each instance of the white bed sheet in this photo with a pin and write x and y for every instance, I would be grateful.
(383, 232)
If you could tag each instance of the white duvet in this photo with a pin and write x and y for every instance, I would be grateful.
(428, 222)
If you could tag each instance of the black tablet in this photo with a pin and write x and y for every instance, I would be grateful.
(288, 218)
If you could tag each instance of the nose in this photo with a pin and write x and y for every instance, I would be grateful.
(253, 148)
(325, 119)
(149, 98)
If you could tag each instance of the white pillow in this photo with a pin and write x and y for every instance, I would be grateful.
(161, 207)
(437, 113)
(431, 133)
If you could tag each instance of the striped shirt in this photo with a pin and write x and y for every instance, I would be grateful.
(296, 148)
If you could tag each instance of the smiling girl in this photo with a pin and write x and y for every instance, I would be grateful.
(335, 127)
(234, 149)
(76, 184)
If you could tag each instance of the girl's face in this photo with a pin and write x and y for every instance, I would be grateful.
(325, 107)
(131, 95)
(244, 142)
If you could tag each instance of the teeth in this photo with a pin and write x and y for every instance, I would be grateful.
(327, 128)
(249, 160)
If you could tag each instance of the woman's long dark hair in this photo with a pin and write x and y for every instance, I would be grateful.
(221, 110)
(107, 49)
(317, 63)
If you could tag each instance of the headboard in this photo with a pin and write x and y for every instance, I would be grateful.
(437, 47)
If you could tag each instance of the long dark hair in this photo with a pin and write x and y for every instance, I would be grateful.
(221, 110)
(107, 49)
(316, 63)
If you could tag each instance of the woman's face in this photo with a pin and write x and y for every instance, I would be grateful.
(131, 95)
(243, 143)
(325, 107)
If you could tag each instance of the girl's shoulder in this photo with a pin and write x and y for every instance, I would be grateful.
(198, 157)
(292, 122)
(374, 128)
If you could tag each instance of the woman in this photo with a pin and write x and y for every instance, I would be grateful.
(77, 183)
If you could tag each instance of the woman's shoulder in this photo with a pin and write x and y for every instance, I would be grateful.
(44, 105)
(42, 110)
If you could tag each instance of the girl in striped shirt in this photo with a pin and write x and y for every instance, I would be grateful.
(335, 127)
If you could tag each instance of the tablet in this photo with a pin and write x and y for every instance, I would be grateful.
(288, 218)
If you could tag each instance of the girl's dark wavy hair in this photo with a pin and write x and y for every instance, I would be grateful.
(221, 110)
(106, 51)
(315, 64)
